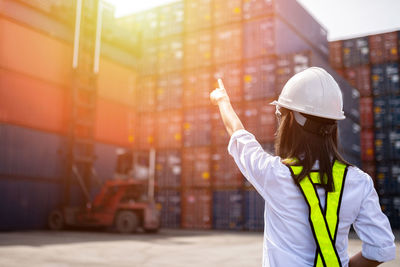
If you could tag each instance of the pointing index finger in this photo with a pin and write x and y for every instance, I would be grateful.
(221, 84)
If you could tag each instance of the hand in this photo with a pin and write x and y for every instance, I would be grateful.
(219, 94)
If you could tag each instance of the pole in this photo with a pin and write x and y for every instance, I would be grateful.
(98, 38)
(77, 33)
(152, 163)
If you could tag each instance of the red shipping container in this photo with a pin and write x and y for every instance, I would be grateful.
(116, 82)
(170, 55)
(335, 54)
(115, 123)
(259, 119)
(232, 76)
(219, 135)
(228, 43)
(197, 14)
(169, 91)
(225, 173)
(145, 133)
(384, 47)
(196, 167)
(197, 127)
(369, 167)
(227, 11)
(169, 129)
(45, 58)
(197, 87)
(366, 112)
(145, 93)
(198, 49)
(367, 145)
(32, 103)
(196, 209)
(259, 78)
(359, 77)
(256, 8)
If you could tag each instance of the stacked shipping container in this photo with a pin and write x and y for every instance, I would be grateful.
(371, 64)
(186, 46)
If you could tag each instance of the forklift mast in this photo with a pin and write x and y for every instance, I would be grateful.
(85, 66)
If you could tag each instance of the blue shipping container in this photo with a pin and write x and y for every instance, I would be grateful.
(170, 204)
(227, 210)
(381, 111)
(26, 152)
(355, 52)
(26, 204)
(349, 138)
(385, 79)
(382, 145)
(253, 208)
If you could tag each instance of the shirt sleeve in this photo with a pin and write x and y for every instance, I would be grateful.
(373, 228)
(254, 163)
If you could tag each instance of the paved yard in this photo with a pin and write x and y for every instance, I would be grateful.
(167, 248)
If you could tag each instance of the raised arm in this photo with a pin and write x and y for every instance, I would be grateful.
(220, 97)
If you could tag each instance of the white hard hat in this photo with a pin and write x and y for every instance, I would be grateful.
(314, 92)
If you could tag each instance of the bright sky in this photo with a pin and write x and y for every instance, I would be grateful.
(342, 18)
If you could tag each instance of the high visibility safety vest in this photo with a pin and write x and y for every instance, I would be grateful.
(324, 223)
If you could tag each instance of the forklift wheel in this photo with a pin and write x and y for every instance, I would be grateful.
(126, 222)
(56, 220)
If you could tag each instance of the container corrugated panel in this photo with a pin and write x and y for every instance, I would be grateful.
(32, 103)
(148, 22)
(378, 80)
(392, 73)
(45, 58)
(116, 82)
(384, 47)
(168, 168)
(170, 203)
(197, 127)
(369, 167)
(170, 55)
(394, 139)
(227, 11)
(284, 71)
(259, 78)
(367, 145)
(225, 173)
(227, 42)
(26, 152)
(335, 54)
(394, 111)
(232, 76)
(253, 208)
(382, 177)
(259, 119)
(198, 15)
(169, 129)
(146, 130)
(349, 137)
(149, 60)
(388, 180)
(145, 93)
(351, 98)
(196, 167)
(197, 87)
(227, 210)
(359, 77)
(382, 145)
(26, 204)
(198, 49)
(169, 91)
(381, 111)
(115, 123)
(171, 19)
(219, 135)
(196, 209)
(366, 112)
(355, 52)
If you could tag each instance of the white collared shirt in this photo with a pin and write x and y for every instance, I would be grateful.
(288, 240)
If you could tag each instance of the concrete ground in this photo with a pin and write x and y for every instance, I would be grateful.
(167, 248)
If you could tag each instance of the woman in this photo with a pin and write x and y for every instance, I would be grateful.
(307, 219)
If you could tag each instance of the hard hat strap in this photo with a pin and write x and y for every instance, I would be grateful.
(312, 126)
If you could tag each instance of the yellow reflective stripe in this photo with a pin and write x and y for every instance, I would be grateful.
(322, 235)
(319, 261)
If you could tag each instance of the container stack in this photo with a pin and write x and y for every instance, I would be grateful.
(371, 64)
(35, 84)
(186, 46)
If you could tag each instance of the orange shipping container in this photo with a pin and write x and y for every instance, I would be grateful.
(116, 82)
(35, 54)
(32, 103)
(115, 123)
(196, 167)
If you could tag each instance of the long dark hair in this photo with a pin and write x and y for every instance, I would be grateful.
(292, 141)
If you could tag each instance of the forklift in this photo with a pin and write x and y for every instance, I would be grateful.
(125, 202)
